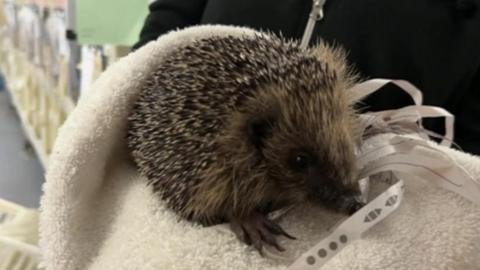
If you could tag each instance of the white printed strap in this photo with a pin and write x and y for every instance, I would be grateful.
(416, 157)
(351, 229)
(409, 114)
(361, 90)
(395, 144)
(396, 153)
(400, 154)
(414, 114)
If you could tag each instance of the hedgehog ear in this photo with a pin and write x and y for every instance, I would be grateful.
(260, 128)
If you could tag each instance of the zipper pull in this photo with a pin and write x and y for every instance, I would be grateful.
(316, 14)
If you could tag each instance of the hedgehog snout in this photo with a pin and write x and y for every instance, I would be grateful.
(334, 194)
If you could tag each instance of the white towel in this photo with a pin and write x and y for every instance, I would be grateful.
(98, 213)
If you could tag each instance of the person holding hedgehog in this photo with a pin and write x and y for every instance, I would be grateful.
(433, 44)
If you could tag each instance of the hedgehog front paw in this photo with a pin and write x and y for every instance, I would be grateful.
(256, 229)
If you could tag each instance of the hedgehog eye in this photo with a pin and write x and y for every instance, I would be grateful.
(301, 161)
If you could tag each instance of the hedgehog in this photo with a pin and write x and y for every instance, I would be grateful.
(228, 129)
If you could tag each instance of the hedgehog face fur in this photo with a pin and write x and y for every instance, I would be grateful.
(231, 125)
(296, 144)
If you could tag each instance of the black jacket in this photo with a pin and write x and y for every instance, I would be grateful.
(435, 44)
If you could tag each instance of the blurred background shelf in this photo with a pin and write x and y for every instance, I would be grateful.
(34, 59)
(41, 107)
(51, 51)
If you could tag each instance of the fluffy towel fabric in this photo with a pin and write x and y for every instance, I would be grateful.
(98, 213)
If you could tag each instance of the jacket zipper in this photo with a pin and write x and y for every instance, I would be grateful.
(316, 14)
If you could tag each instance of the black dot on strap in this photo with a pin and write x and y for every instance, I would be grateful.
(322, 253)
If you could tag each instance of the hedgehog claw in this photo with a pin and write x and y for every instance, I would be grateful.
(258, 230)
(277, 230)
